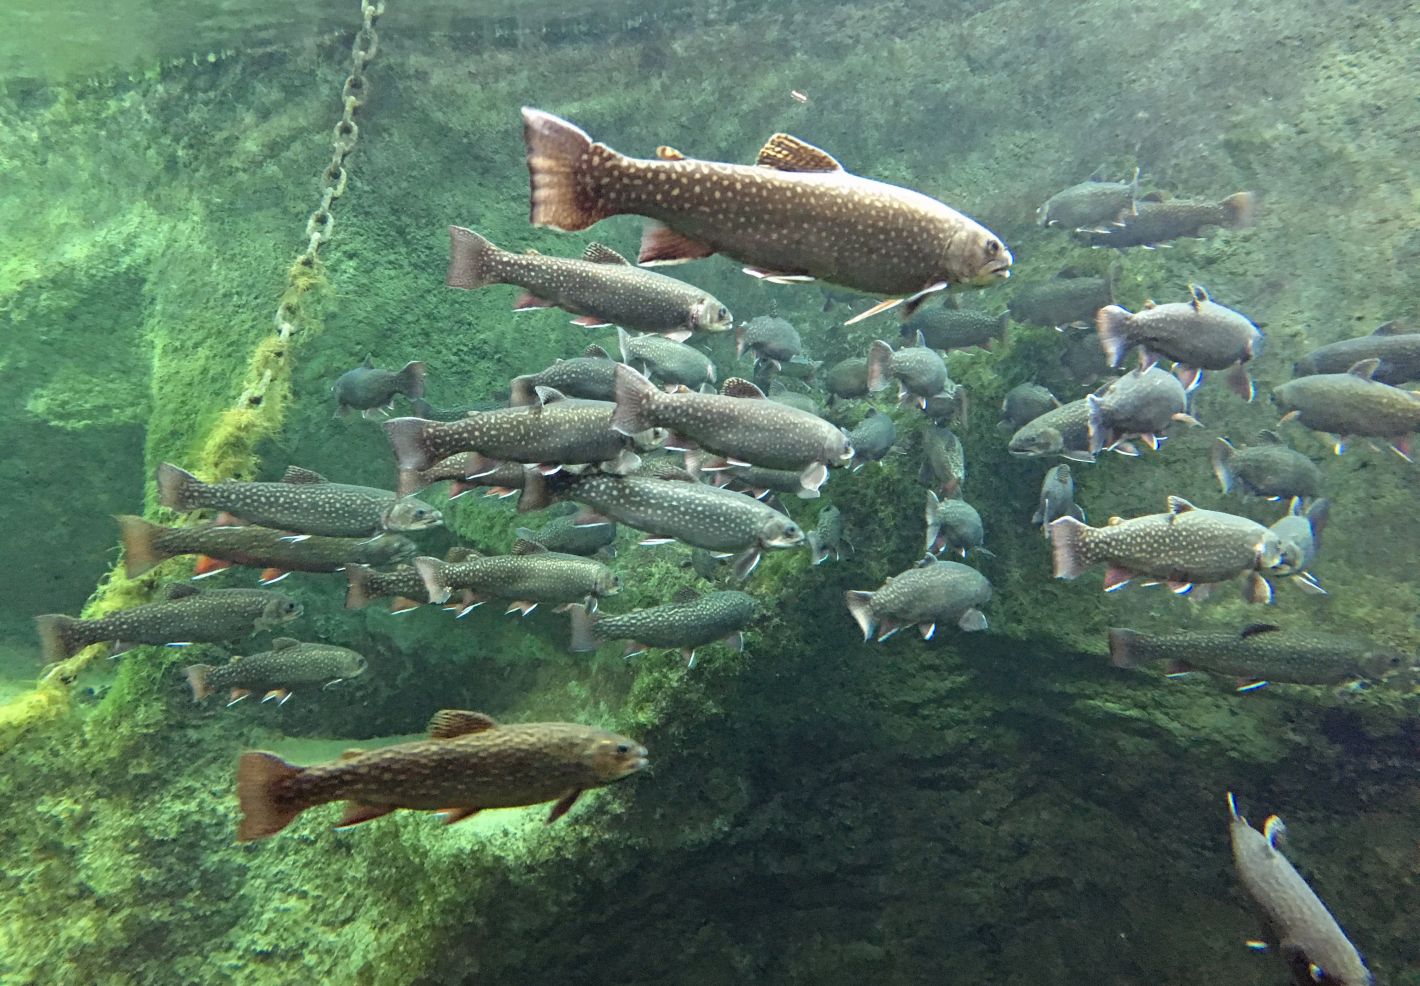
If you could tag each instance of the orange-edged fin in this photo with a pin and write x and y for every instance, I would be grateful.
(280, 694)
(562, 807)
(355, 813)
(271, 575)
(237, 695)
(663, 245)
(590, 322)
(209, 566)
(263, 792)
(878, 309)
(452, 815)
(225, 519)
(527, 301)
(403, 604)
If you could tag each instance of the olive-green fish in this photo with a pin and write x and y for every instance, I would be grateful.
(1352, 404)
(562, 534)
(1091, 203)
(274, 674)
(370, 389)
(1270, 468)
(304, 502)
(771, 339)
(1062, 431)
(469, 762)
(1064, 299)
(601, 289)
(664, 360)
(950, 326)
(1154, 222)
(847, 378)
(588, 376)
(688, 622)
(502, 481)
(528, 575)
(933, 592)
(188, 615)
(1395, 344)
(794, 214)
(219, 547)
(919, 371)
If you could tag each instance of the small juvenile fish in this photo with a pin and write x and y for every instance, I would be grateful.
(1294, 918)
(469, 762)
(188, 615)
(848, 378)
(1256, 655)
(1093, 202)
(1065, 299)
(772, 340)
(305, 502)
(933, 592)
(1057, 499)
(794, 214)
(953, 525)
(1062, 431)
(1024, 403)
(919, 371)
(276, 673)
(1394, 344)
(872, 438)
(560, 534)
(1352, 404)
(529, 575)
(403, 582)
(602, 288)
(1198, 334)
(688, 622)
(827, 536)
(588, 377)
(1141, 404)
(367, 388)
(664, 360)
(1299, 532)
(950, 326)
(943, 461)
(1183, 548)
(1269, 468)
(1157, 222)
(146, 545)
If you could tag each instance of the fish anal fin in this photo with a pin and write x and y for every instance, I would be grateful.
(663, 245)
(784, 152)
(356, 813)
(452, 815)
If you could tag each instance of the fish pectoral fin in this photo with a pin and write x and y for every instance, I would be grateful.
(355, 813)
(663, 245)
(452, 815)
(562, 806)
(784, 152)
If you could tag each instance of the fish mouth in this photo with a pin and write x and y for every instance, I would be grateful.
(1000, 269)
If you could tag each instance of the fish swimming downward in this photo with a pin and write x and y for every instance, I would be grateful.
(469, 762)
(276, 673)
(689, 621)
(826, 539)
(1057, 499)
(793, 215)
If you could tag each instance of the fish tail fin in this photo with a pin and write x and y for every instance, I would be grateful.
(561, 159)
(263, 780)
(931, 515)
(409, 437)
(431, 570)
(1241, 209)
(1067, 543)
(1110, 323)
(1221, 457)
(1121, 643)
(1096, 425)
(1317, 515)
(178, 488)
(632, 393)
(817, 549)
(140, 553)
(860, 604)
(584, 634)
(411, 379)
(879, 359)
(358, 596)
(197, 680)
(473, 260)
(60, 636)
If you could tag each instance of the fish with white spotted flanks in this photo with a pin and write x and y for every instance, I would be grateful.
(1257, 654)
(504, 480)
(1395, 344)
(872, 438)
(529, 575)
(1198, 334)
(1270, 468)
(794, 214)
(953, 525)
(469, 762)
(146, 545)
(664, 360)
(943, 461)
(920, 372)
(671, 509)
(1352, 404)
(304, 502)
(757, 481)
(561, 534)
(602, 288)
(368, 388)
(934, 592)
(826, 539)
(588, 376)
(1091, 203)
(1183, 548)
(1142, 404)
(1299, 533)
(276, 673)
(771, 339)
(1295, 921)
(188, 615)
(1062, 431)
(1057, 499)
(555, 432)
(950, 326)
(1156, 222)
(688, 622)
(738, 424)
(1024, 403)
(403, 583)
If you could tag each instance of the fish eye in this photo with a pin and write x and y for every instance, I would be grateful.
(622, 748)
(724, 313)
(993, 247)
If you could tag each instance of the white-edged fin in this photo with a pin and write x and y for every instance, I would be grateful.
(860, 606)
(1251, 686)
(1276, 831)
(297, 538)
(972, 620)
(746, 561)
(877, 309)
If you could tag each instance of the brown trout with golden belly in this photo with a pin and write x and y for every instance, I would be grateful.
(469, 762)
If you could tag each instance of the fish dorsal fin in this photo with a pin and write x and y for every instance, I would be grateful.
(787, 153)
(669, 154)
(1269, 437)
(595, 352)
(1178, 505)
(928, 560)
(1199, 293)
(461, 552)
(1365, 369)
(180, 590)
(549, 395)
(740, 387)
(299, 474)
(1253, 629)
(1153, 197)
(368, 362)
(1395, 327)
(284, 643)
(1150, 303)
(685, 594)
(776, 386)
(527, 546)
(1067, 272)
(351, 753)
(599, 253)
(448, 723)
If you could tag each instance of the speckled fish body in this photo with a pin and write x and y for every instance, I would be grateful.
(1024, 403)
(952, 525)
(1351, 404)
(1063, 431)
(943, 461)
(1060, 301)
(504, 480)
(826, 539)
(187, 615)
(588, 377)
(470, 762)
(848, 378)
(1184, 547)
(1057, 498)
(146, 545)
(1296, 919)
(1090, 203)
(275, 673)
(1142, 403)
(602, 288)
(685, 624)
(794, 213)
(934, 592)
(1159, 222)
(560, 534)
(944, 327)
(665, 361)
(872, 438)
(758, 481)
(1397, 350)
(531, 574)
(368, 387)
(1199, 333)
(1259, 652)
(920, 372)
(403, 583)
(306, 503)
(768, 338)
(780, 394)
(1269, 469)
